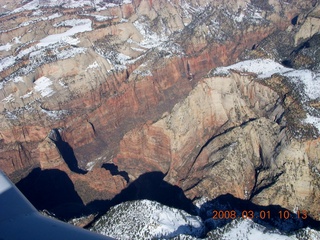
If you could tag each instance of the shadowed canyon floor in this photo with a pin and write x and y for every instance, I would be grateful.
(52, 190)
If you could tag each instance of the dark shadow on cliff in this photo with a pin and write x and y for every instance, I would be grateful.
(114, 170)
(149, 186)
(52, 190)
(272, 216)
(66, 152)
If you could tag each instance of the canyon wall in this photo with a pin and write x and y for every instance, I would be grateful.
(128, 89)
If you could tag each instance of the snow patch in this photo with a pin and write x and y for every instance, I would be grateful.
(18, 79)
(38, 12)
(10, 115)
(69, 53)
(55, 114)
(150, 38)
(145, 73)
(137, 49)
(53, 16)
(17, 40)
(7, 62)
(124, 20)
(78, 26)
(26, 95)
(264, 68)
(90, 165)
(8, 99)
(42, 85)
(93, 65)
(310, 80)
(6, 47)
(239, 18)
(116, 59)
(313, 120)
(71, 41)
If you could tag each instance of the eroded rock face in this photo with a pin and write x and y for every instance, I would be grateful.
(223, 136)
(122, 83)
(298, 187)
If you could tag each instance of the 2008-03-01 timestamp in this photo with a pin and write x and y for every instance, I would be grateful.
(262, 214)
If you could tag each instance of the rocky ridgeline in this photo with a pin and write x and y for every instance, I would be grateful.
(146, 219)
(106, 92)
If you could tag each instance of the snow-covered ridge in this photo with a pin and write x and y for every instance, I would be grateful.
(144, 219)
(265, 68)
(307, 80)
(147, 220)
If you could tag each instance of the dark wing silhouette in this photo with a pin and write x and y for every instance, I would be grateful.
(20, 220)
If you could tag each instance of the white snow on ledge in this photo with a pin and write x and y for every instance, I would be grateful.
(150, 38)
(42, 85)
(315, 121)
(78, 26)
(6, 47)
(265, 68)
(55, 114)
(7, 62)
(8, 99)
(71, 40)
(93, 65)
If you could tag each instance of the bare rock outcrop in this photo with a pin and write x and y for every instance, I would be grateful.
(224, 134)
(298, 187)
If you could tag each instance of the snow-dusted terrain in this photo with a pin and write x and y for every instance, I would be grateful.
(144, 219)
(307, 81)
(147, 220)
(246, 229)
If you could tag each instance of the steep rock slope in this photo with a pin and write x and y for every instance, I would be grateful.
(212, 142)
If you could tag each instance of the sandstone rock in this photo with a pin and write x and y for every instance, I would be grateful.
(298, 187)
(203, 144)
